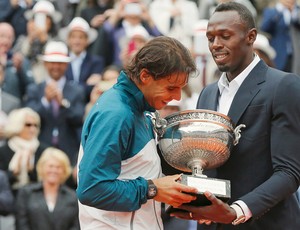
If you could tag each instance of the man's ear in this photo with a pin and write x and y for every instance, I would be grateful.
(252, 36)
(145, 76)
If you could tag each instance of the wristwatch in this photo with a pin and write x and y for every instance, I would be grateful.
(152, 190)
(240, 216)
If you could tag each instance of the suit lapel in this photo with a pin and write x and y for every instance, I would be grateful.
(85, 67)
(44, 207)
(247, 91)
(212, 98)
(69, 73)
(59, 207)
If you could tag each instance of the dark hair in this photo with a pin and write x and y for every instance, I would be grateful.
(161, 57)
(245, 14)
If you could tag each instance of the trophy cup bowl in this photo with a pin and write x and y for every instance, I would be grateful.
(194, 140)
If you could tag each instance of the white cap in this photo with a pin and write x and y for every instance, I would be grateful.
(80, 24)
(45, 7)
(140, 32)
(262, 43)
(56, 51)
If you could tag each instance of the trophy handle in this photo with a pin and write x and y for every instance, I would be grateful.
(237, 133)
(159, 124)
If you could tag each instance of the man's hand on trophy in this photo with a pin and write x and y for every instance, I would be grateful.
(218, 211)
(171, 192)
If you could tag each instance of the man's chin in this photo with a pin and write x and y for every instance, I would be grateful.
(223, 68)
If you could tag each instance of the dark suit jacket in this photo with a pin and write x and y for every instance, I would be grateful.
(9, 102)
(6, 196)
(68, 122)
(90, 65)
(264, 168)
(273, 23)
(33, 214)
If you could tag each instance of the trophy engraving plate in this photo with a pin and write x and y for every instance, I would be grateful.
(220, 188)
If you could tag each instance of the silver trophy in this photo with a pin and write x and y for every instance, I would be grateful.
(194, 140)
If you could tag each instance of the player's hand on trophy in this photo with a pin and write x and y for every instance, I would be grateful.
(171, 192)
(218, 211)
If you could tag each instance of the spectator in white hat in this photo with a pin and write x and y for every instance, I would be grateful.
(84, 68)
(137, 38)
(175, 18)
(60, 103)
(44, 7)
(124, 19)
(43, 21)
(96, 13)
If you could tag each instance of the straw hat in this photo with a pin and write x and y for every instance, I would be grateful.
(262, 43)
(56, 51)
(45, 7)
(79, 24)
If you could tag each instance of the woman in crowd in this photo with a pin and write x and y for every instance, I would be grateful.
(48, 204)
(19, 155)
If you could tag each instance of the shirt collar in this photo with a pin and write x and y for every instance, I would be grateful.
(137, 98)
(238, 80)
(81, 56)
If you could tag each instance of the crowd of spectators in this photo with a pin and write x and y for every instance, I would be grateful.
(58, 56)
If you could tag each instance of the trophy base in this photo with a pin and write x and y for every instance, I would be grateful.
(220, 188)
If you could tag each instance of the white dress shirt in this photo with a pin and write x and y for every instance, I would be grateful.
(76, 62)
(227, 92)
(228, 89)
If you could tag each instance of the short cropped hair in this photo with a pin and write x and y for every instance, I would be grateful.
(54, 153)
(245, 14)
(17, 119)
(162, 56)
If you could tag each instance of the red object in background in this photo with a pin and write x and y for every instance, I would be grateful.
(131, 47)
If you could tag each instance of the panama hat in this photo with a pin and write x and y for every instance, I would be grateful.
(45, 7)
(262, 43)
(80, 24)
(56, 51)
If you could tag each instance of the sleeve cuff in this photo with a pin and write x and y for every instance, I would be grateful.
(247, 212)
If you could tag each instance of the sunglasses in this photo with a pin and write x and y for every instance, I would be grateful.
(31, 124)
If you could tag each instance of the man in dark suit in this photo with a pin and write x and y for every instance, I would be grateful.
(84, 68)
(264, 168)
(60, 103)
(282, 23)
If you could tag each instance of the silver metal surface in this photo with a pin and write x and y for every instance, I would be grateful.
(193, 140)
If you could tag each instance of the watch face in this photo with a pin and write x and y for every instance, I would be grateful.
(152, 191)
